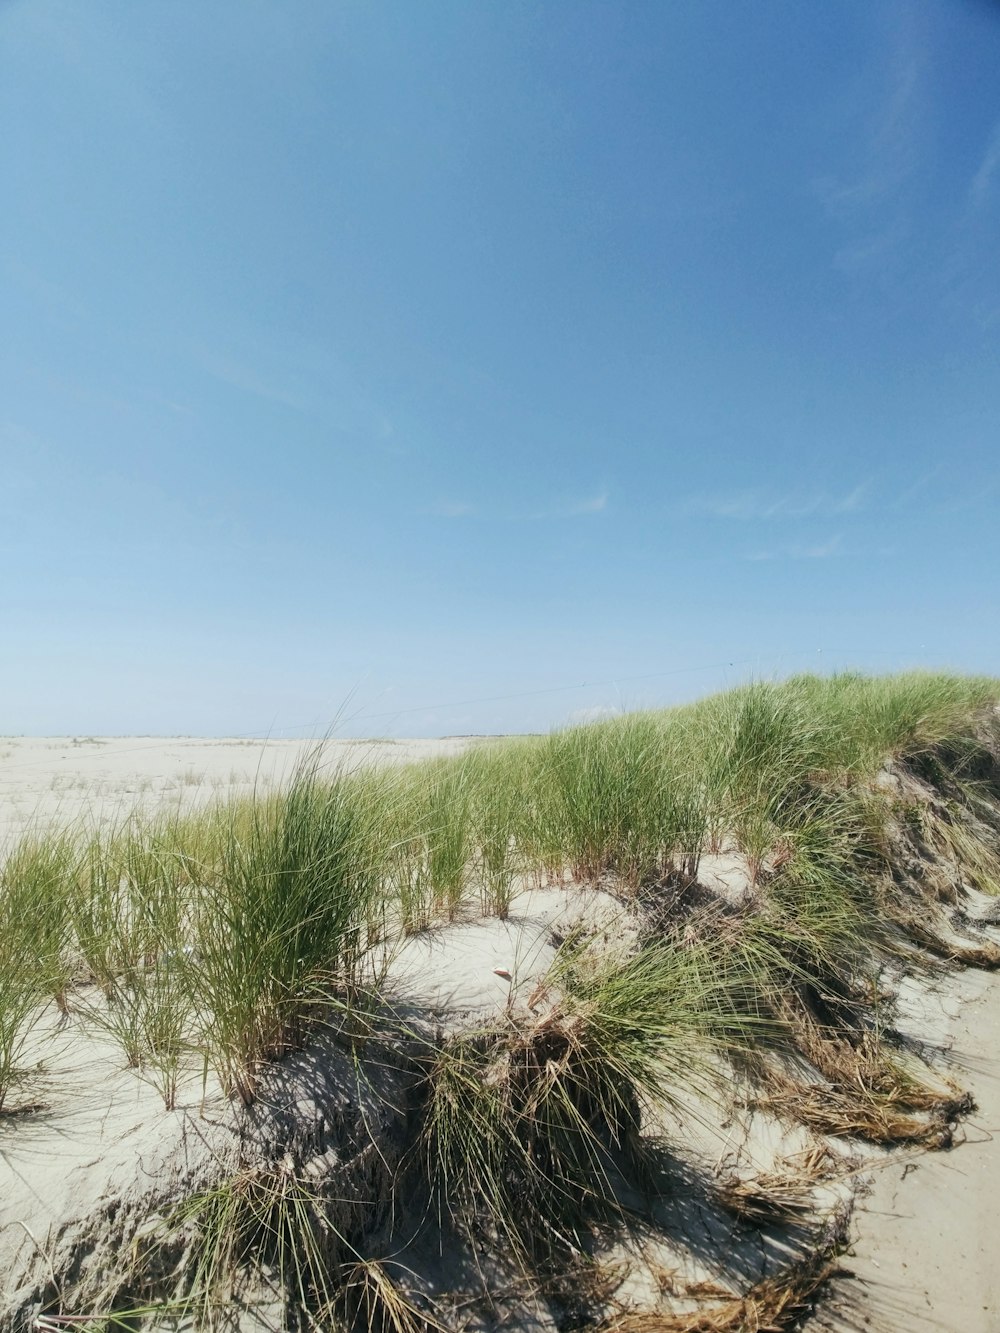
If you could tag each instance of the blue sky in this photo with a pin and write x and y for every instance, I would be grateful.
(365, 359)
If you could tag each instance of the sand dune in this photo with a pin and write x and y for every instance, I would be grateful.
(760, 1191)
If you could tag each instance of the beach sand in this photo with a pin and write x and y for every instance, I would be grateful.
(923, 1257)
(59, 779)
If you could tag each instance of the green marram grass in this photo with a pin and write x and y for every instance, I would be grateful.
(532, 1122)
(34, 934)
(219, 933)
(280, 921)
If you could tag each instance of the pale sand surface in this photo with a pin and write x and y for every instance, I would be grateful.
(61, 778)
(924, 1257)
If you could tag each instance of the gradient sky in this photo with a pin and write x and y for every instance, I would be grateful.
(365, 359)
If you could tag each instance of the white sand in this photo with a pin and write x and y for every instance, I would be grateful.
(61, 778)
(924, 1257)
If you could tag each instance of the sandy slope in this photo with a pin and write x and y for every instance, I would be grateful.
(924, 1258)
(80, 1176)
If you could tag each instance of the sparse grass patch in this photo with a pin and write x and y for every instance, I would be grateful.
(21, 992)
(610, 799)
(976, 858)
(531, 1122)
(34, 880)
(273, 1220)
(432, 840)
(773, 1305)
(280, 926)
(265, 1218)
(128, 903)
(371, 1298)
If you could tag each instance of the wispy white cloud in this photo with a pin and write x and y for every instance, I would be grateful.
(981, 185)
(872, 249)
(938, 490)
(888, 151)
(597, 713)
(853, 500)
(577, 507)
(761, 505)
(797, 551)
(580, 507)
(595, 504)
(307, 378)
(970, 273)
(917, 487)
(866, 192)
(822, 551)
(451, 509)
(261, 384)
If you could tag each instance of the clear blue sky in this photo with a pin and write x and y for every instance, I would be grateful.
(400, 354)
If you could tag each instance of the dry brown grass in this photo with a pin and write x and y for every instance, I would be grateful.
(771, 1306)
(986, 956)
(372, 1299)
(784, 1195)
(864, 1093)
(854, 1114)
(966, 847)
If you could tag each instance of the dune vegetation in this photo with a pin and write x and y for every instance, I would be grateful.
(219, 942)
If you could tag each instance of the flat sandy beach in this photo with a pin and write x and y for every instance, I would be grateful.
(63, 778)
(923, 1257)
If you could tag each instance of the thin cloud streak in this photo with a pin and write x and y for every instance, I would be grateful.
(867, 195)
(309, 379)
(822, 551)
(242, 377)
(578, 508)
(595, 505)
(760, 506)
(982, 182)
(451, 509)
(969, 275)
(890, 154)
